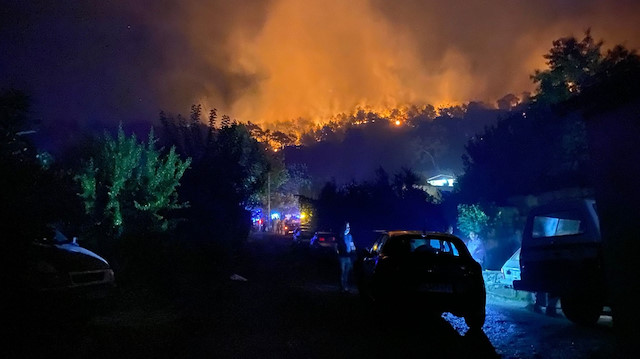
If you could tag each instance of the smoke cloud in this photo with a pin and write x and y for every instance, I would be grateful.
(271, 61)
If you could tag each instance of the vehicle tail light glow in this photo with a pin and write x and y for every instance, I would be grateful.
(321, 239)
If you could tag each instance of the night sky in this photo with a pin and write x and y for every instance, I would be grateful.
(91, 63)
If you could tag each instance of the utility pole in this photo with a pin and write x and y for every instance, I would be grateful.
(269, 200)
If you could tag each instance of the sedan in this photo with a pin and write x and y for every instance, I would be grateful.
(324, 242)
(302, 235)
(56, 267)
(429, 270)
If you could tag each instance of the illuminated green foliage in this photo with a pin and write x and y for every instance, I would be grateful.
(471, 218)
(130, 186)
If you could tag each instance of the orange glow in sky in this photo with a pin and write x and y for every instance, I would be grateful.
(307, 61)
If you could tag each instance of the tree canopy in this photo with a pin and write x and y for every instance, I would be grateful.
(572, 63)
(228, 171)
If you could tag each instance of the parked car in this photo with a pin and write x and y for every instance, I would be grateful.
(290, 226)
(432, 271)
(561, 254)
(302, 235)
(324, 242)
(55, 267)
(511, 269)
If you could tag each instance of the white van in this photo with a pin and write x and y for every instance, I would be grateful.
(561, 254)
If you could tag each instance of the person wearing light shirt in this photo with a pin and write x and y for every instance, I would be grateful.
(346, 252)
(476, 248)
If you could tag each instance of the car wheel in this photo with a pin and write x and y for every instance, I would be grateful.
(476, 319)
(582, 310)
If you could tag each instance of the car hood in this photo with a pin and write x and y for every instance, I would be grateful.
(69, 257)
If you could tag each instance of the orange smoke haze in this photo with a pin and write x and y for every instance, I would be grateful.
(295, 61)
(314, 59)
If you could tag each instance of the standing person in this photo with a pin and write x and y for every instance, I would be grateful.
(476, 248)
(544, 299)
(346, 251)
(450, 229)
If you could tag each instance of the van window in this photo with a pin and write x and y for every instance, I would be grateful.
(557, 224)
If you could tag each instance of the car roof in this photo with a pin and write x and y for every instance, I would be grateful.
(564, 205)
(441, 235)
(416, 233)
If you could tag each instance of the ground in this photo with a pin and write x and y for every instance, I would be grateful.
(276, 301)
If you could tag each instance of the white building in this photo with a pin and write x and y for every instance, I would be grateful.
(443, 182)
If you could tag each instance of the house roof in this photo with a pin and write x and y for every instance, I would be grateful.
(441, 176)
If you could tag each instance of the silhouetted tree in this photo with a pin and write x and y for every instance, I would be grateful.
(378, 205)
(508, 102)
(536, 148)
(452, 111)
(575, 65)
(225, 121)
(14, 123)
(610, 106)
(31, 195)
(280, 139)
(228, 170)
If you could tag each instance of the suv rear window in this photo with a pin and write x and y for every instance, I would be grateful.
(396, 246)
(433, 245)
(557, 224)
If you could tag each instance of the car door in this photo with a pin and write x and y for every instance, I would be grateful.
(371, 258)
